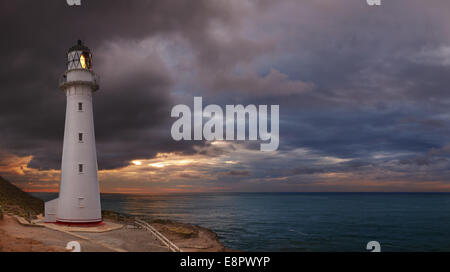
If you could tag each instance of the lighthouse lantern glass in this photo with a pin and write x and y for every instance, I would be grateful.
(85, 60)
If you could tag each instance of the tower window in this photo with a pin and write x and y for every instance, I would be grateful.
(80, 168)
(80, 137)
(81, 202)
(80, 106)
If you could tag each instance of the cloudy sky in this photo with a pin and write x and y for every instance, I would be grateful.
(364, 92)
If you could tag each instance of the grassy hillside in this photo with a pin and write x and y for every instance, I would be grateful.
(15, 201)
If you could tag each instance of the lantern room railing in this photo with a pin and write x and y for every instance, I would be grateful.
(63, 83)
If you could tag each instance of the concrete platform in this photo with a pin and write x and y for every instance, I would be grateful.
(105, 227)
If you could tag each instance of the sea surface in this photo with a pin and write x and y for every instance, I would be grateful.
(303, 221)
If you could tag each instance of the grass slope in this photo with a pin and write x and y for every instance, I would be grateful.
(15, 201)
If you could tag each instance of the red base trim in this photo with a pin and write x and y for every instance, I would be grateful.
(80, 224)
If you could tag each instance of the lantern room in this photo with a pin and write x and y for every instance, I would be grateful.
(79, 57)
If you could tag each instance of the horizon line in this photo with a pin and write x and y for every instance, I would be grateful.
(265, 192)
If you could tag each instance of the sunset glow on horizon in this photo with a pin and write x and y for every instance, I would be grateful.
(176, 173)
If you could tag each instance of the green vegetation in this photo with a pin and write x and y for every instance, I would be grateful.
(185, 232)
(118, 217)
(15, 201)
(175, 228)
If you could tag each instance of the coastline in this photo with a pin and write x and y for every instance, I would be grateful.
(18, 235)
(188, 237)
(22, 230)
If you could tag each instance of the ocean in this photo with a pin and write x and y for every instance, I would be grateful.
(302, 221)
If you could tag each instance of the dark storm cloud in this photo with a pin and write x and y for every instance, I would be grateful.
(354, 82)
(237, 173)
(129, 114)
(307, 171)
(380, 78)
(379, 82)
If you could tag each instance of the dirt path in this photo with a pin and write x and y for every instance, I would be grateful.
(13, 238)
(16, 237)
(37, 238)
(13, 244)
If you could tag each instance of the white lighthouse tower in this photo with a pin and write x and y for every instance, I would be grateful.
(79, 197)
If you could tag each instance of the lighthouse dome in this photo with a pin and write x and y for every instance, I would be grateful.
(79, 57)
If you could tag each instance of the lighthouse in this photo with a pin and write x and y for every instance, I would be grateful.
(79, 196)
